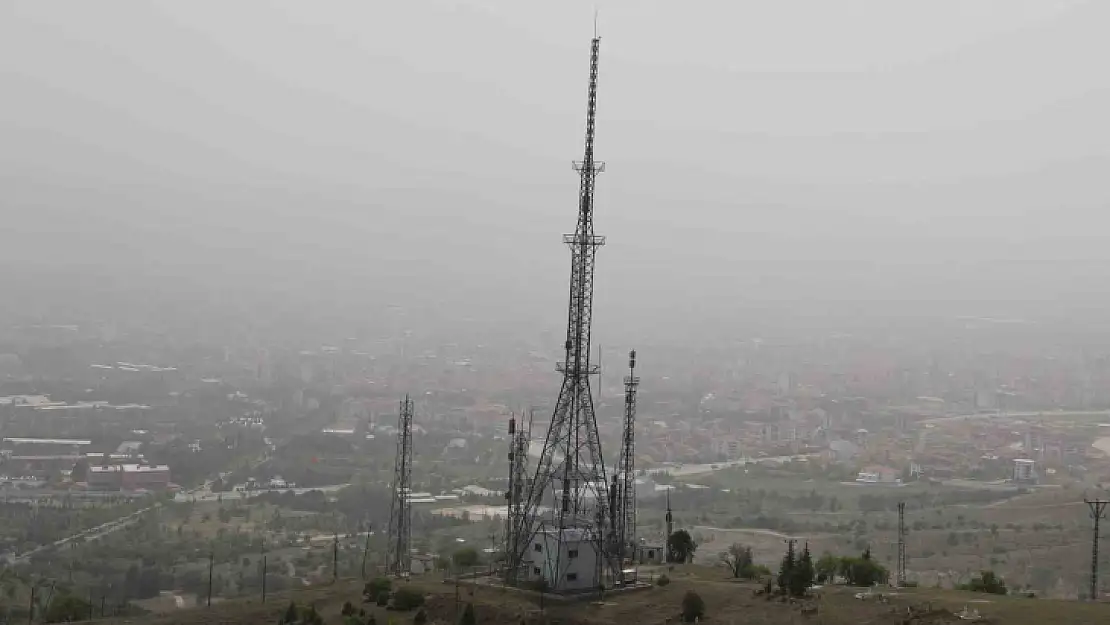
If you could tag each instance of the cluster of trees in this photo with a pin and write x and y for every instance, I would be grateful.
(861, 571)
(986, 582)
(796, 573)
(380, 592)
(739, 560)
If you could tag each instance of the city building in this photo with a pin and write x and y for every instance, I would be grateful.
(1025, 470)
(129, 477)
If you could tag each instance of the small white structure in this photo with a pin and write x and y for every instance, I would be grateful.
(573, 569)
(1025, 470)
(650, 554)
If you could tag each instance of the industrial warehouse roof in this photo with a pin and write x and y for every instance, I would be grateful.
(130, 468)
(46, 441)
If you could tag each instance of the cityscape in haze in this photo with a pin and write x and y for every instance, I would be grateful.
(288, 331)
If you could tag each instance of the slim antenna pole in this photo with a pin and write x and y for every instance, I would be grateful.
(335, 558)
(211, 565)
(366, 549)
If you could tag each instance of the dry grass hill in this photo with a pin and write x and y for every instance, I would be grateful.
(727, 602)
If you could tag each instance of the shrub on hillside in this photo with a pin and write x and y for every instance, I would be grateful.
(693, 607)
(986, 582)
(405, 599)
(663, 580)
(468, 617)
(377, 587)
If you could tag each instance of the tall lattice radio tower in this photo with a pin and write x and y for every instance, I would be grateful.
(567, 515)
(399, 550)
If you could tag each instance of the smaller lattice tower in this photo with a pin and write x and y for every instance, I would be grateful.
(399, 551)
(901, 543)
(519, 440)
(624, 510)
(670, 530)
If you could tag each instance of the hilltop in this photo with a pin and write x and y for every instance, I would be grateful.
(727, 602)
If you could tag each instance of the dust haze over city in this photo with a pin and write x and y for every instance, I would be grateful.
(856, 247)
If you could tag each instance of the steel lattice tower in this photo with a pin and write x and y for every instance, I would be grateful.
(901, 543)
(399, 551)
(1098, 512)
(519, 440)
(570, 475)
(624, 511)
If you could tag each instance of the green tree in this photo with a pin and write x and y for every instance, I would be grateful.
(826, 568)
(801, 577)
(465, 557)
(406, 598)
(786, 568)
(693, 607)
(67, 608)
(681, 546)
(986, 582)
(738, 559)
(468, 617)
(290, 614)
(377, 587)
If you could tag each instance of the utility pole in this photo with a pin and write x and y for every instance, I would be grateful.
(1098, 511)
(31, 607)
(335, 559)
(901, 543)
(211, 566)
(263, 571)
(492, 551)
(366, 549)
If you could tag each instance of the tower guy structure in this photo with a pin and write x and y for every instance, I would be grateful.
(566, 514)
(623, 490)
(399, 550)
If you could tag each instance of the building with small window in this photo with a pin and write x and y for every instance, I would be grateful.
(129, 477)
(574, 569)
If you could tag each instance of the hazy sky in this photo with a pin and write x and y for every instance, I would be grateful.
(854, 152)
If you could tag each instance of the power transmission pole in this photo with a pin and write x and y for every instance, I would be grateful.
(211, 565)
(1098, 511)
(901, 543)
